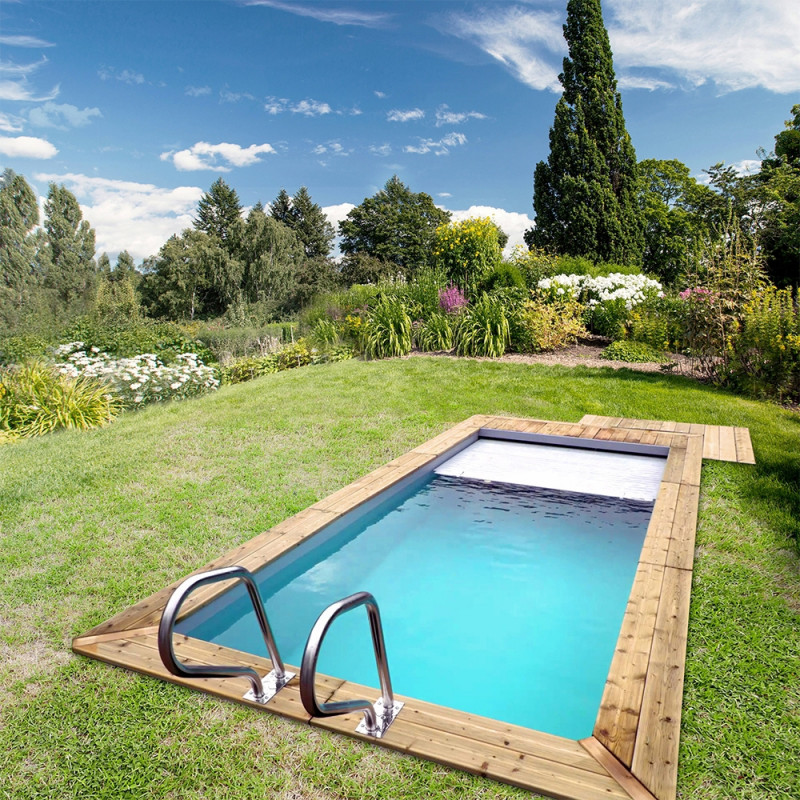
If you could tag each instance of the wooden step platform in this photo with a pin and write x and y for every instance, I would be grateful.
(720, 442)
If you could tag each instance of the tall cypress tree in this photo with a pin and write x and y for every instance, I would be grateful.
(585, 193)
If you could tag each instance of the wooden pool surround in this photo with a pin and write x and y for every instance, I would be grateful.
(633, 752)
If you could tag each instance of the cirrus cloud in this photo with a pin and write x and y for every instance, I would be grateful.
(440, 147)
(218, 157)
(396, 115)
(61, 116)
(26, 147)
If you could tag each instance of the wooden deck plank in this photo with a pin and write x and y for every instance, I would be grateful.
(693, 463)
(682, 427)
(711, 442)
(684, 529)
(727, 444)
(617, 770)
(655, 756)
(659, 530)
(744, 447)
(673, 469)
(618, 717)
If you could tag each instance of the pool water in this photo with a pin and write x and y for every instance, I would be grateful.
(499, 600)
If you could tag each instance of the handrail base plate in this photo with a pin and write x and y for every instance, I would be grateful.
(272, 685)
(384, 716)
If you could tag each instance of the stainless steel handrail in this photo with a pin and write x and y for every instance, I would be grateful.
(377, 718)
(262, 689)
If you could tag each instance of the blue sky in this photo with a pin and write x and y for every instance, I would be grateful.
(139, 106)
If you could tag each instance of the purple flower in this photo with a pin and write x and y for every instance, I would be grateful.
(451, 299)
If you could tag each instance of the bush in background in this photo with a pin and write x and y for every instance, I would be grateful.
(634, 353)
(387, 329)
(435, 333)
(467, 252)
(483, 329)
(22, 347)
(543, 326)
(36, 399)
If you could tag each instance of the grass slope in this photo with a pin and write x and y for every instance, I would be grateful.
(91, 523)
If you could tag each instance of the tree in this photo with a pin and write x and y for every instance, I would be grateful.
(395, 225)
(585, 193)
(70, 269)
(273, 258)
(219, 214)
(19, 215)
(675, 229)
(306, 219)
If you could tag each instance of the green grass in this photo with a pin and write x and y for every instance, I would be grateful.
(93, 522)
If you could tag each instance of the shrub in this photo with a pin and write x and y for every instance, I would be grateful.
(483, 329)
(245, 369)
(324, 333)
(435, 333)
(580, 265)
(387, 330)
(634, 353)
(765, 355)
(467, 251)
(656, 322)
(142, 379)
(339, 304)
(22, 347)
(504, 276)
(126, 339)
(534, 265)
(542, 326)
(227, 343)
(36, 399)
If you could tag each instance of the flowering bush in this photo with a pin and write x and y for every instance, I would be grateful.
(467, 251)
(451, 300)
(544, 326)
(139, 380)
(608, 299)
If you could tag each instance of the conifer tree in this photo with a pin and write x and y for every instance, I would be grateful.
(585, 193)
(306, 219)
(219, 214)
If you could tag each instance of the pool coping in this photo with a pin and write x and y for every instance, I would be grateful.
(633, 752)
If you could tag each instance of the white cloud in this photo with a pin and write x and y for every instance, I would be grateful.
(137, 217)
(61, 116)
(735, 45)
(10, 68)
(218, 157)
(338, 16)
(197, 91)
(438, 147)
(10, 123)
(126, 76)
(396, 115)
(512, 223)
(379, 95)
(528, 43)
(19, 91)
(24, 41)
(227, 96)
(333, 148)
(307, 107)
(380, 149)
(444, 194)
(26, 147)
(446, 117)
(310, 108)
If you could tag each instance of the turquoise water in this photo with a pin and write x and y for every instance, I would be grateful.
(497, 600)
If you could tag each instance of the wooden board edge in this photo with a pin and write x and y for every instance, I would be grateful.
(618, 771)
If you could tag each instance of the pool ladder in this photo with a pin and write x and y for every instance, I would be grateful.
(378, 716)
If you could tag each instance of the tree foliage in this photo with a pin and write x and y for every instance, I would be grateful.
(394, 225)
(585, 193)
(219, 214)
(306, 219)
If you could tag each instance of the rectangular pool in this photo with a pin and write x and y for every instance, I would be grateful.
(502, 572)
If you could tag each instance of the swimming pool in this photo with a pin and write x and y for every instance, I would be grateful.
(471, 571)
(634, 742)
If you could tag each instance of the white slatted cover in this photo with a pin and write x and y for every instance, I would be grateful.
(570, 469)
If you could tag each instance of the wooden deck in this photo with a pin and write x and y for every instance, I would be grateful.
(633, 752)
(720, 442)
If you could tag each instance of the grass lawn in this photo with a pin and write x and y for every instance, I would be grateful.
(92, 523)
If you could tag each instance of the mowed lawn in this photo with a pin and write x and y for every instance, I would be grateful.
(94, 522)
